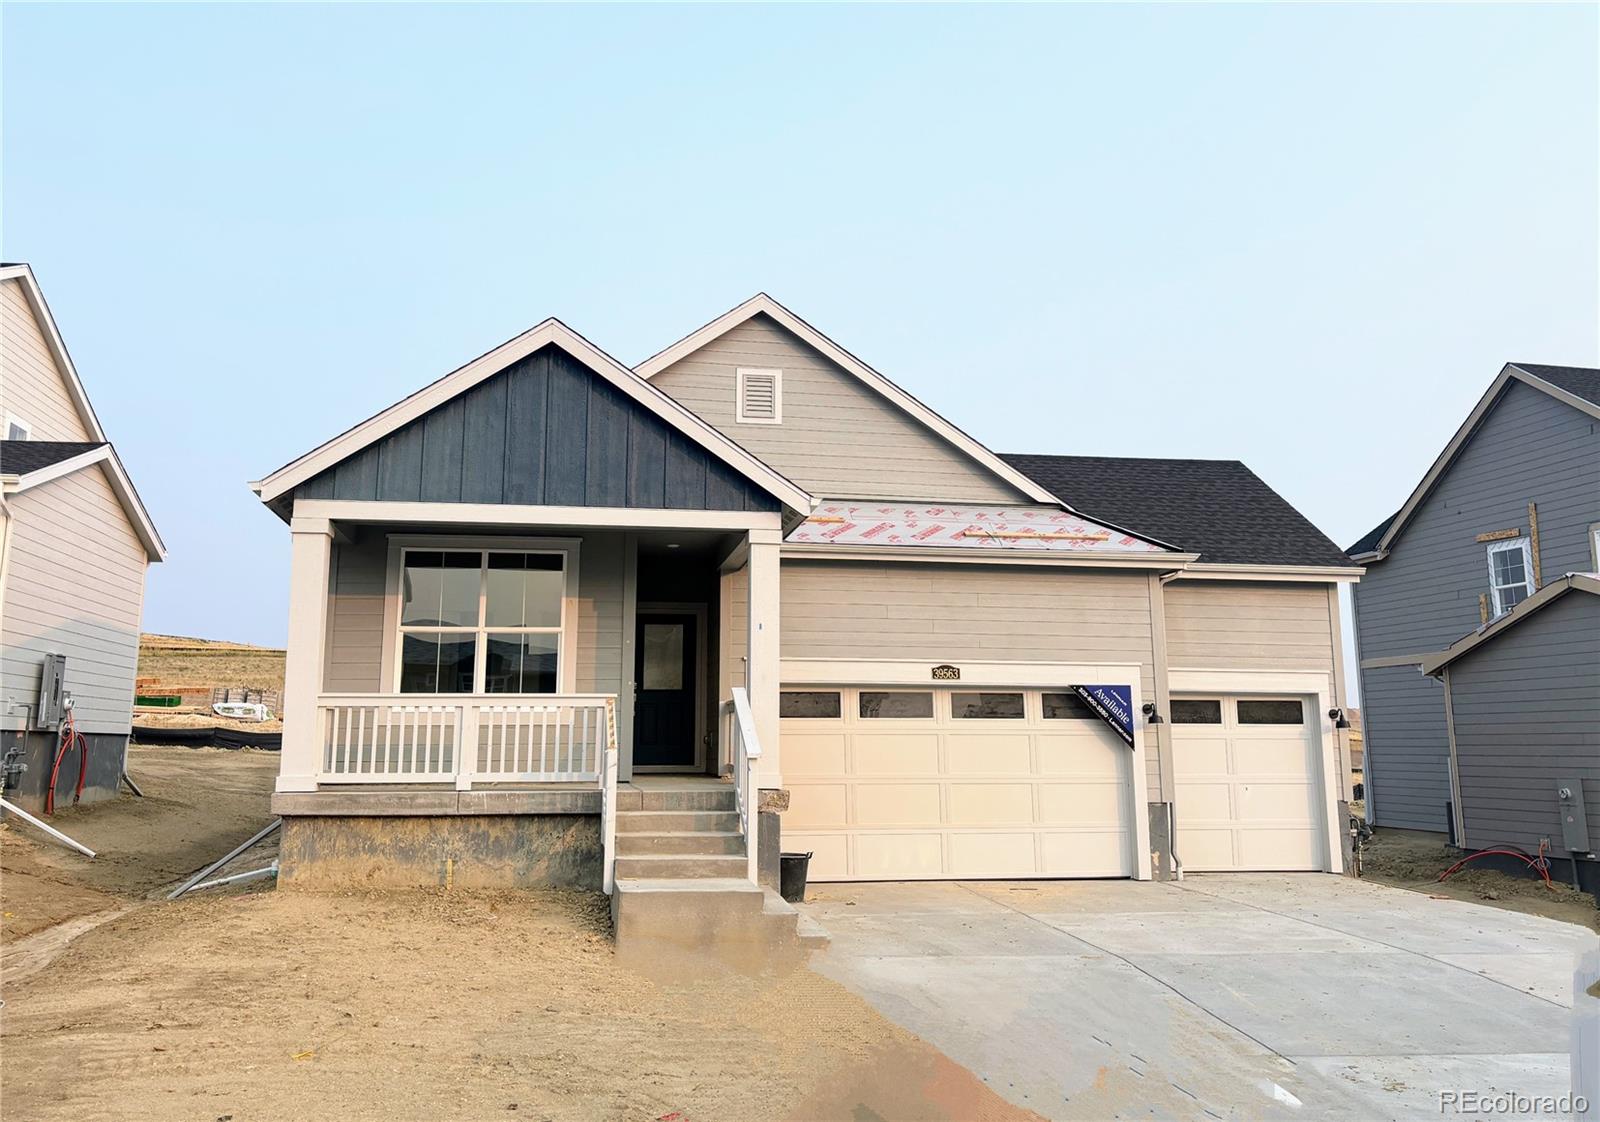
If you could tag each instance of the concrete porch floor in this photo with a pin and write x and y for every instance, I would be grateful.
(1244, 995)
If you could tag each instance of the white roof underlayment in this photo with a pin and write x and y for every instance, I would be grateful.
(934, 525)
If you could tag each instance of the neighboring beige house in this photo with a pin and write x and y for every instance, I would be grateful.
(753, 554)
(75, 542)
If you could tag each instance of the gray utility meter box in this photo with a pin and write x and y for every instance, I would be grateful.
(1574, 822)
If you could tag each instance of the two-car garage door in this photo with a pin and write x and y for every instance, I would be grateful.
(907, 783)
(927, 783)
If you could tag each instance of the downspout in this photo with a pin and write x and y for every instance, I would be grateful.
(1158, 633)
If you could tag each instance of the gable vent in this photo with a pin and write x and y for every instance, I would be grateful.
(760, 396)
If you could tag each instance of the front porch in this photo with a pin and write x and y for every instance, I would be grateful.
(472, 673)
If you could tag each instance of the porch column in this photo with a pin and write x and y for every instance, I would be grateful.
(310, 552)
(763, 672)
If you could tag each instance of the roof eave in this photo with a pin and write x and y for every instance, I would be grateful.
(550, 331)
(121, 485)
(1203, 570)
(1508, 372)
(1435, 664)
(23, 273)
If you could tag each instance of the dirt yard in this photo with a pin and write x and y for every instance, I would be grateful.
(265, 1004)
(1414, 859)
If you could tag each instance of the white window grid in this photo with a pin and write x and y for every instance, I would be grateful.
(482, 630)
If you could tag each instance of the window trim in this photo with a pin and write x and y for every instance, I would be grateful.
(739, 415)
(27, 429)
(566, 647)
(1526, 549)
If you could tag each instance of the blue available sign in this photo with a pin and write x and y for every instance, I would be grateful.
(1113, 704)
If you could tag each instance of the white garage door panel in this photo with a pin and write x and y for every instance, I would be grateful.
(1247, 795)
(947, 798)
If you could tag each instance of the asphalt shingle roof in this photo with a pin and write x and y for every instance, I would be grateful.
(19, 457)
(1219, 509)
(1578, 380)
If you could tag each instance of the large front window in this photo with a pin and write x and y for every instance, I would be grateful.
(480, 621)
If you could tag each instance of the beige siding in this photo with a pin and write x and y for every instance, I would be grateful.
(355, 615)
(600, 614)
(74, 586)
(838, 438)
(950, 613)
(1248, 625)
(356, 635)
(31, 386)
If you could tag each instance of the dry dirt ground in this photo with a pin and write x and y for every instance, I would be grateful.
(261, 1004)
(176, 661)
(1414, 859)
(196, 666)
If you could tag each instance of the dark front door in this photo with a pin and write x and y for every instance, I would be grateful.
(664, 706)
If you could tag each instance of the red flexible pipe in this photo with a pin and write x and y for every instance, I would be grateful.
(1538, 864)
(70, 737)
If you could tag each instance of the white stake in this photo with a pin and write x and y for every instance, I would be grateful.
(51, 830)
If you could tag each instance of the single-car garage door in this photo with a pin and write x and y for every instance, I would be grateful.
(899, 783)
(1247, 790)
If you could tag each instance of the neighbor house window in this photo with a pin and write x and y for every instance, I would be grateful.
(1510, 574)
(480, 621)
(18, 429)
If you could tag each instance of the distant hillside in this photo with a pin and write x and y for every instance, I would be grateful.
(180, 662)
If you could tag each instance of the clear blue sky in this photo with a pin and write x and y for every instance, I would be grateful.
(1304, 237)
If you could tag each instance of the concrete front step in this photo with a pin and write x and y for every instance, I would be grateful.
(694, 843)
(676, 821)
(685, 798)
(670, 926)
(674, 865)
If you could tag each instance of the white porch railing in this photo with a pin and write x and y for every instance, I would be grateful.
(465, 738)
(608, 804)
(739, 732)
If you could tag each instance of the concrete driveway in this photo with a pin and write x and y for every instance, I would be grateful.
(1228, 996)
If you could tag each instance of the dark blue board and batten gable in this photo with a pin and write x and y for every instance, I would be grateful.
(545, 431)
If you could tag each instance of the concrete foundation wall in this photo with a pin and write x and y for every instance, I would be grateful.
(466, 851)
(38, 751)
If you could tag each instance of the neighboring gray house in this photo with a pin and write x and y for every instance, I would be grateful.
(1513, 502)
(1522, 710)
(75, 542)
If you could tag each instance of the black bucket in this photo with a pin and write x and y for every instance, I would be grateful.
(792, 869)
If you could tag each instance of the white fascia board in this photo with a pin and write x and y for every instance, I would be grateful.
(23, 274)
(1463, 434)
(505, 514)
(486, 366)
(1036, 558)
(762, 303)
(1315, 573)
(121, 486)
